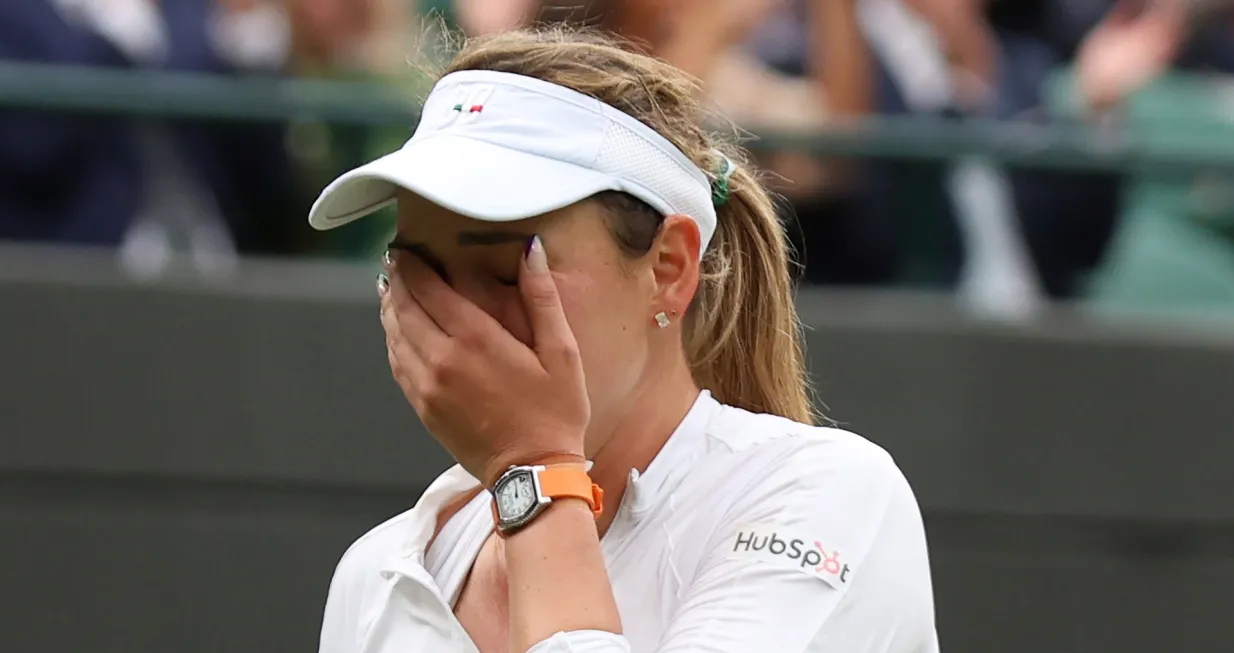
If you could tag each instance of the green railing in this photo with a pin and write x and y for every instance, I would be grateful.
(1071, 145)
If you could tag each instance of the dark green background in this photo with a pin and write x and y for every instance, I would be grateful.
(181, 464)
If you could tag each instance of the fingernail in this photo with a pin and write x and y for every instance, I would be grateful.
(383, 284)
(387, 259)
(536, 260)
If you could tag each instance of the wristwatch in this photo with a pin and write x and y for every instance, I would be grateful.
(524, 491)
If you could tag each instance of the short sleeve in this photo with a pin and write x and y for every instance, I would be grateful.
(809, 559)
(583, 641)
(338, 624)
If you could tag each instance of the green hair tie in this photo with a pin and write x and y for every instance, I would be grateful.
(719, 185)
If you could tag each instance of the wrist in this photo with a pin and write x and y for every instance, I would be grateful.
(559, 514)
(524, 492)
(555, 459)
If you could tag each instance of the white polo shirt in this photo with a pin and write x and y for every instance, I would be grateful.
(747, 533)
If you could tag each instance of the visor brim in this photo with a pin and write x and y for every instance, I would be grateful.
(470, 177)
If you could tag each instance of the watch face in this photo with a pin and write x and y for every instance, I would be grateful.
(516, 496)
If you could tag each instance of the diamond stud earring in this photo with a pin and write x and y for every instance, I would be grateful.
(662, 319)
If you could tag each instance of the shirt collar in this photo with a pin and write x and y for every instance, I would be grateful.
(642, 491)
(683, 446)
(423, 518)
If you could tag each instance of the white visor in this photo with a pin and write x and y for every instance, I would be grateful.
(500, 147)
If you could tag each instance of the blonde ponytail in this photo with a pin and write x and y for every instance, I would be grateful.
(743, 338)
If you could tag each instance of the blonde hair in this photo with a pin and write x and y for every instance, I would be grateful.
(742, 337)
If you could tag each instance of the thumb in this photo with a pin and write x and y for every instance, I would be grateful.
(551, 334)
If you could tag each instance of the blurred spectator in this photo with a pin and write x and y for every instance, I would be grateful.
(328, 35)
(778, 65)
(65, 178)
(97, 180)
(239, 172)
(154, 185)
(357, 40)
(805, 66)
(264, 176)
(1001, 54)
(1137, 42)
(911, 198)
(1067, 218)
(221, 188)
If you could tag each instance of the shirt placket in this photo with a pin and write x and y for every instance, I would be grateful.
(436, 611)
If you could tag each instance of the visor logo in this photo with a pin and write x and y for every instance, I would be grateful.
(467, 106)
(773, 544)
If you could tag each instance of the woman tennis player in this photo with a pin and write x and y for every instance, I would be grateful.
(588, 304)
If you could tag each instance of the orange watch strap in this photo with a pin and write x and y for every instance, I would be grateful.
(571, 482)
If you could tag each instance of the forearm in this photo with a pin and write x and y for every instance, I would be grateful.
(557, 578)
(840, 57)
(697, 48)
(953, 20)
(962, 28)
(702, 32)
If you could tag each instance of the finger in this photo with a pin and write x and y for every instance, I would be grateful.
(551, 333)
(395, 345)
(404, 379)
(422, 332)
(406, 363)
(405, 358)
(455, 316)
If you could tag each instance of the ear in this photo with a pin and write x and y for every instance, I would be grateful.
(675, 264)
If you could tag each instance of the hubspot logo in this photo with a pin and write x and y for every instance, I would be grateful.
(815, 558)
(831, 563)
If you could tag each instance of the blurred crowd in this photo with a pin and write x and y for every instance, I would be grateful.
(222, 189)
